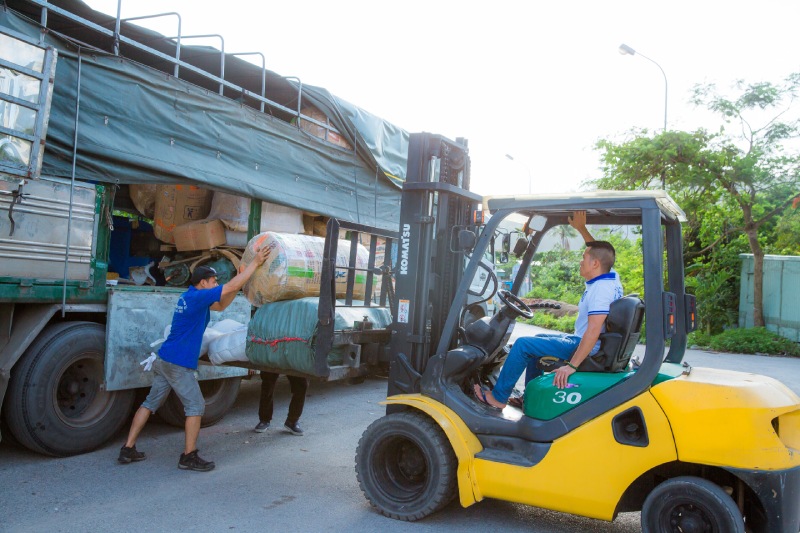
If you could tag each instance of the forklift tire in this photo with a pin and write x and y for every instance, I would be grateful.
(220, 394)
(690, 504)
(56, 403)
(405, 466)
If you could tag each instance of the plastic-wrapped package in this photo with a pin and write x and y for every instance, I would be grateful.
(208, 335)
(144, 198)
(229, 346)
(283, 335)
(294, 267)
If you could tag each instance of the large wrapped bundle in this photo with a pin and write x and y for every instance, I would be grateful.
(294, 267)
(144, 199)
(234, 211)
(282, 335)
(176, 205)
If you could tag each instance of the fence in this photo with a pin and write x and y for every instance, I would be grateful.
(781, 294)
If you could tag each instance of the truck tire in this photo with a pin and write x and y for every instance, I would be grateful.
(56, 403)
(690, 504)
(405, 466)
(220, 394)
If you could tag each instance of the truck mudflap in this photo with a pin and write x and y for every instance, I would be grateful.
(136, 318)
(779, 494)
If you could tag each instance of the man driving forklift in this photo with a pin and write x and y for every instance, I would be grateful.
(602, 288)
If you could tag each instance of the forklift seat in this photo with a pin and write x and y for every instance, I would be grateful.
(623, 328)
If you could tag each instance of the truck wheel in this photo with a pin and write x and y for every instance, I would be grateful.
(219, 394)
(690, 504)
(56, 402)
(405, 466)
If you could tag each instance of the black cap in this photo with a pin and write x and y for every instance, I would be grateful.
(202, 272)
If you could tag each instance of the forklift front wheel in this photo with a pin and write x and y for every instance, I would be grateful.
(690, 504)
(405, 466)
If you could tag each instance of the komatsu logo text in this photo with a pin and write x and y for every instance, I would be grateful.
(405, 242)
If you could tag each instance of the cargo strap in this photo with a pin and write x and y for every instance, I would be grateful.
(273, 343)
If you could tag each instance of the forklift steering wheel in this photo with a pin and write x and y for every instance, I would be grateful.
(516, 305)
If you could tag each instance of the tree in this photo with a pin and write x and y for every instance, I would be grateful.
(564, 234)
(736, 181)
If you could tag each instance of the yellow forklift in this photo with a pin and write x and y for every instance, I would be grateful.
(693, 449)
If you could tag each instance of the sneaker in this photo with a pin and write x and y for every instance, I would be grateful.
(293, 428)
(130, 455)
(192, 461)
(261, 427)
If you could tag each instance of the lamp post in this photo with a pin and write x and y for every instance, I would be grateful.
(530, 177)
(626, 50)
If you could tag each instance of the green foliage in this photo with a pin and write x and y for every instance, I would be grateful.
(699, 338)
(556, 276)
(753, 340)
(735, 186)
(787, 235)
(629, 263)
(565, 323)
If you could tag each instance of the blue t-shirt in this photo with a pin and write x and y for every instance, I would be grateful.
(189, 322)
(596, 300)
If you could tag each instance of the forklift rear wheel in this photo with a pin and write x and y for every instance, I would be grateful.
(405, 466)
(690, 504)
(220, 394)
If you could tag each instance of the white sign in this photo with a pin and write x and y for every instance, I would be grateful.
(402, 311)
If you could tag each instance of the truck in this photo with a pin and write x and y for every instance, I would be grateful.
(94, 106)
(692, 449)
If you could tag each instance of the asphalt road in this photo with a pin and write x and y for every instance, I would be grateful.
(272, 481)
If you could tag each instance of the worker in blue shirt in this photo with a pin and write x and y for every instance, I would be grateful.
(176, 365)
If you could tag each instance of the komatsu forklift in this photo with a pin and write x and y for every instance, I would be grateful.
(693, 449)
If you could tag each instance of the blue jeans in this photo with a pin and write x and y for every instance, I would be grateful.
(524, 355)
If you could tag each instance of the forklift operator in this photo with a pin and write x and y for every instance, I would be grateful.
(602, 287)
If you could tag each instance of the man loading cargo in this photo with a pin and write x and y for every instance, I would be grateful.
(175, 367)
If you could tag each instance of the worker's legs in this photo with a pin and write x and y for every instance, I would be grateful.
(184, 383)
(532, 371)
(299, 386)
(526, 350)
(155, 399)
(139, 420)
(265, 403)
(192, 428)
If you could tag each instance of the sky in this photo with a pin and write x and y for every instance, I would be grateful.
(538, 81)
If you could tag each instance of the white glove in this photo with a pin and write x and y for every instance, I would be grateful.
(148, 363)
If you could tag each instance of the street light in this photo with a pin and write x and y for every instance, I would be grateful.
(626, 50)
(530, 177)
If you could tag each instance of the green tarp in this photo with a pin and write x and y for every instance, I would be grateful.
(283, 334)
(139, 125)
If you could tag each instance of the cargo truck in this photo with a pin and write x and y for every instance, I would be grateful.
(93, 107)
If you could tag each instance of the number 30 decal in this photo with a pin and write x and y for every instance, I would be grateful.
(572, 398)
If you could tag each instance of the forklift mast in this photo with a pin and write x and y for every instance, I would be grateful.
(436, 207)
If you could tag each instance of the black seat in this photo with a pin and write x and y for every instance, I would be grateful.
(623, 328)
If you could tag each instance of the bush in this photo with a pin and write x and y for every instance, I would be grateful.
(699, 338)
(753, 340)
(546, 320)
(556, 276)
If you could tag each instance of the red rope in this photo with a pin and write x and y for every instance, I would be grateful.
(273, 343)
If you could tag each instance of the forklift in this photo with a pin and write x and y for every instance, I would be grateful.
(693, 449)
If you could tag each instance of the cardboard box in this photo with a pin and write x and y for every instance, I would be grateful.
(176, 205)
(331, 135)
(200, 235)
